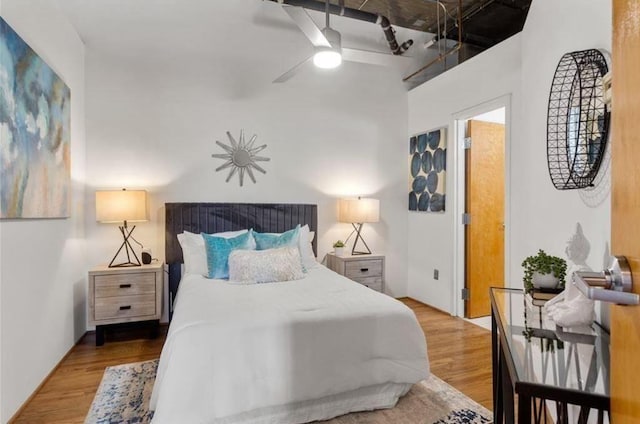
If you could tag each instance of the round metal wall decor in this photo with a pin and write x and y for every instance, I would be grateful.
(577, 120)
(241, 157)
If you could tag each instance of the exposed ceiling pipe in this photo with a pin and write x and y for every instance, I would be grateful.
(439, 34)
(468, 14)
(383, 21)
(442, 56)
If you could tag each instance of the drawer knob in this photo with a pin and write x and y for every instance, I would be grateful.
(364, 269)
(125, 308)
(125, 286)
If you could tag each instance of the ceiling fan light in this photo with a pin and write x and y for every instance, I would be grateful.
(327, 59)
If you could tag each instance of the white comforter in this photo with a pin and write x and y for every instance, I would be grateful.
(236, 348)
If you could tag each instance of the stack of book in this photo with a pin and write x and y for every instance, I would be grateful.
(539, 297)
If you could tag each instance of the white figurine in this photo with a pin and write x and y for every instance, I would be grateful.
(571, 308)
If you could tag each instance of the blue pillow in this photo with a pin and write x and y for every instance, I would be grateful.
(218, 250)
(266, 241)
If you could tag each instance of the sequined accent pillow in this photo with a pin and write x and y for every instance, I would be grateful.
(265, 266)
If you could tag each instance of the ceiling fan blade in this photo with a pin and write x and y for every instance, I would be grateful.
(373, 58)
(291, 72)
(307, 26)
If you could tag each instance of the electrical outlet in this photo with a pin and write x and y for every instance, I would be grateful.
(436, 274)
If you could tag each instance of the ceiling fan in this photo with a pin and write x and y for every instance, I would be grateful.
(327, 42)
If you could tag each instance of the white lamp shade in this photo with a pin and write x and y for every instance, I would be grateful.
(121, 205)
(358, 210)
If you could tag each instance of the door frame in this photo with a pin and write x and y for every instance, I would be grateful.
(459, 120)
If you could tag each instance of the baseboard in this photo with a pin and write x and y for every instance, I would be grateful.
(44, 381)
(428, 306)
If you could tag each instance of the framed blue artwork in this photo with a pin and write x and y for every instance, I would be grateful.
(35, 157)
(428, 171)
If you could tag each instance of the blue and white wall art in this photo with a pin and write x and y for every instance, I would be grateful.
(35, 108)
(427, 171)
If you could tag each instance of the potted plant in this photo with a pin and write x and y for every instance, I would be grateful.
(338, 248)
(543, 271)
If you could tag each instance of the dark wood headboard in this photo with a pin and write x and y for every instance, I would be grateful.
(218, 217)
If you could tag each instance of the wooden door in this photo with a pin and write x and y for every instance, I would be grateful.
(484, 234)
(625, 206)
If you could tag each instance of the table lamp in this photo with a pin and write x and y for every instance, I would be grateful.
(116, 206)
(357, 212)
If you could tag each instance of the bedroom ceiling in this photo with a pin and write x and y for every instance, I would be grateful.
(144, 32)
(485, 23)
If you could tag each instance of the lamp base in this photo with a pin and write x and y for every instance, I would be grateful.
(357, 228)
(124, 265)
(126, 234)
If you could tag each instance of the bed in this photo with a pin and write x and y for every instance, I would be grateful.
(282, 352)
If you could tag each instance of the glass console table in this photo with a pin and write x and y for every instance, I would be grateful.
(555, 374)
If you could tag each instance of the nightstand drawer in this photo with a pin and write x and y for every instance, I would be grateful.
(364, 268)
(367, 270)
(125, 306)
(125, 294)
(374, 283)
(125, 285)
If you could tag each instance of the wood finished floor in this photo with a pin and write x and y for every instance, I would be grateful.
(459, 353)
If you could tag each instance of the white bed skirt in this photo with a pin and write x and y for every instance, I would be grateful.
(382, 396)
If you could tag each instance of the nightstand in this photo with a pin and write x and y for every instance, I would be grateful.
(123, 295)
(364, 269)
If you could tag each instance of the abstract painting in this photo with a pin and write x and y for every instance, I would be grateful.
(35, 131)
(427, 171)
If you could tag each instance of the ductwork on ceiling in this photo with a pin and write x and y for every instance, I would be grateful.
(462, 29)
(445, 52)
(481, 25)
(389, 32)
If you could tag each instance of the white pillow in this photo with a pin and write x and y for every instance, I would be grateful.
(194, 253)
(265, 266)
(306, 248)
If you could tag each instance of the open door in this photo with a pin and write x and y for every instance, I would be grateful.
(625, 207)
(484, 208)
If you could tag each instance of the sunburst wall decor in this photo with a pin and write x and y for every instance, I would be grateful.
(241, 157)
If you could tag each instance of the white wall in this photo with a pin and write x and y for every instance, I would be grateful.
(540, 215)
(494, 73)
(43, 264)
(545, 217)
(152, 122)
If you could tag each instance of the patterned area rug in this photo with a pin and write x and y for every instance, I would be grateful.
(125, 390)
